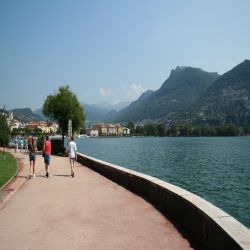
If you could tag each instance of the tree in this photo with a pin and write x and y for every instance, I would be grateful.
(40, 142)
(62, 107)
(4, 131)
(131, 126)
(161, 130)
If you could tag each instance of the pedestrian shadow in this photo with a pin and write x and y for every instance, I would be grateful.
(27, 177)
(22, 176)
(40, 175)
(62, 175)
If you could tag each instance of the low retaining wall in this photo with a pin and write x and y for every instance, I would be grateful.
(205, 225)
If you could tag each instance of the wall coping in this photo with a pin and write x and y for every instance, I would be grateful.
(236, 230)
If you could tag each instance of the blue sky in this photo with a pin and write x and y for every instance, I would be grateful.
(112, 51)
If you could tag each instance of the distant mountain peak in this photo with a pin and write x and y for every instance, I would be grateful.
(180, 68)
(184, 86)
(146, 94)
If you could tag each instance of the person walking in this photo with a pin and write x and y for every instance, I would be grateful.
(26, 144)
(16, 145)
(72, 154)
(21, 144)
(32, 157)
(46, 155)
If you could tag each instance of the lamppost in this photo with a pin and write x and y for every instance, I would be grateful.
(69, 129)
(4, 120)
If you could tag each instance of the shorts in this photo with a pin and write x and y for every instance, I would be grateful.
(32, 156)
(46, 159)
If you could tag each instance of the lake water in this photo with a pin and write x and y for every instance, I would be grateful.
(215, 168)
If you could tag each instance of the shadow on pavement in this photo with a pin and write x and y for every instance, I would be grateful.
(63, 175)
(40, 175)
(24, 177)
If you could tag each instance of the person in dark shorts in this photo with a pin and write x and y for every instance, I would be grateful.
(46, 155)
(32, 157)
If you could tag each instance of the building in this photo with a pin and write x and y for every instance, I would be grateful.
(119, 129)
(93, 132)
(32, 125)
(109, 129)
(53, 127)
(126, 131)
(14, 124)
(102, 128)
(11, 116)
(45, 127)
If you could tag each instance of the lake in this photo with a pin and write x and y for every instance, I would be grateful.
(215, 168)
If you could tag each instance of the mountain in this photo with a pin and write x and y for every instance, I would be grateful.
(184, 86)
(227, 100)
(116, 107)
(94, 113)
(189, 95)
(40, 113)
(25, 115)
(102, 112)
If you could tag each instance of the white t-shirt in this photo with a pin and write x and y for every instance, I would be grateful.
(72, 149)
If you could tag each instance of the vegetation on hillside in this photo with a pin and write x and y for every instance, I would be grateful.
(226, 101)
(159, 129)
(26, 115)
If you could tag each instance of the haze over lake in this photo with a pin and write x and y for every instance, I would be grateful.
(215, 168)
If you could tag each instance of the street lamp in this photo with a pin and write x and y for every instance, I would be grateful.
(3, 111)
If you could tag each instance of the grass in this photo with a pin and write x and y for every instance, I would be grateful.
(8, 167)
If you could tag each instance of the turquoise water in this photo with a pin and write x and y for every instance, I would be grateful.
(215, 168)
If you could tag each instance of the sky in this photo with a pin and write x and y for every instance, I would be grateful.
(110, 51)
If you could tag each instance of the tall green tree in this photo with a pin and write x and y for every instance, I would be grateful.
(4, 131)
(62, 107)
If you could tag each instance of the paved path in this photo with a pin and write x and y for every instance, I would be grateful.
(85, 212)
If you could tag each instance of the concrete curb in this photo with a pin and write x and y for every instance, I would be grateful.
(207, 226)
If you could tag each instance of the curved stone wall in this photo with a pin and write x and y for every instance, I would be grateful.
(205, 225)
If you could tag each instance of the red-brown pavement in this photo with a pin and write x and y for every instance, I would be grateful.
(85, 212)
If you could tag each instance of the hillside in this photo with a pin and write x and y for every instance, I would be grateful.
(102, 112)
(39, 112)
(184, 86)
(227, 100)
(25, 115)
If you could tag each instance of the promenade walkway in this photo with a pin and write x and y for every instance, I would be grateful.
(85, 212)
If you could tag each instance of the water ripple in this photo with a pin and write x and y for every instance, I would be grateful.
(217, 169)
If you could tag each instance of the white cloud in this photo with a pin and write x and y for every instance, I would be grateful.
(135, 90)
(104, 92)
